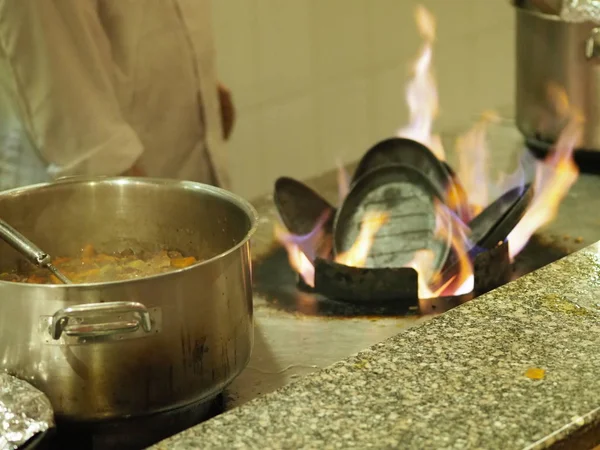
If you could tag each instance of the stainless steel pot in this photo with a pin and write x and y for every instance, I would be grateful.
(564, 54)
(110, 350)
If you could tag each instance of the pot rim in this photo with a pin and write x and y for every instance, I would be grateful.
(235, 199)
(547, 16)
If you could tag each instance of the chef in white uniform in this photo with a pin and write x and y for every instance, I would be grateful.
(110, 87)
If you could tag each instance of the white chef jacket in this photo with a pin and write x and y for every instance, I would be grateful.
(89, 87)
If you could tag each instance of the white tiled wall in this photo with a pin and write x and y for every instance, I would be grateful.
(319, 80)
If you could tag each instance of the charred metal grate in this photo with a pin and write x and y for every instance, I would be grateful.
(399, 286)
(403, 178)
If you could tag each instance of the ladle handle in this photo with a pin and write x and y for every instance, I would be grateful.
(23, 245)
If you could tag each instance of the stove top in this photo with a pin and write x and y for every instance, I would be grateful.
(133, 433)
(129, 434)
(392, 231)
(298, 332)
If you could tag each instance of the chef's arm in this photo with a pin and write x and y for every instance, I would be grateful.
(62, 74)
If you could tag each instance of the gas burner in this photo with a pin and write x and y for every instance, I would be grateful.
(398, 287)
(280, 286)
(400, 197)
(133, 433)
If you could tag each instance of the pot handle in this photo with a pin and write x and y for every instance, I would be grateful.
(592, 45)
(71, 320)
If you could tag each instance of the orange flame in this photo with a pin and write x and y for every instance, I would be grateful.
(473, 169)
(355, 257)
(431, 285)
(463, 281)
(422, 262)
(359, 252)
(298, 260)
(554, 177)
(562, 110)
(421, 92)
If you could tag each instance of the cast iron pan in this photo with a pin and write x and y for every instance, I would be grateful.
(495, 222)
(406, 152)
(299, 206)
(413, 154)
(408, 196)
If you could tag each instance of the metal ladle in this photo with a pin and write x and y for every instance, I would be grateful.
(28, 249)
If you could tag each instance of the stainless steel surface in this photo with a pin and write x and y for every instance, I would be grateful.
(25, 412)
(29, 250)
(61, 320)
(292, 344)
(131, 347)
(57, 273)
(553, 52)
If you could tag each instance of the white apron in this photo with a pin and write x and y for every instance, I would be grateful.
(89, 87)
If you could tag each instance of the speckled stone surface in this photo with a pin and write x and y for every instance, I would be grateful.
(457, 381)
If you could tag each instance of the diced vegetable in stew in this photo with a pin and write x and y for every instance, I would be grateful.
(94, 267)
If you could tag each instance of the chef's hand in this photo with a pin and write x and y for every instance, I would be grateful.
(227, 111)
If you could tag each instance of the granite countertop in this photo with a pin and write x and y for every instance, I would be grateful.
(515, 368)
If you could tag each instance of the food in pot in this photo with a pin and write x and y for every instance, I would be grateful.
(94, 267)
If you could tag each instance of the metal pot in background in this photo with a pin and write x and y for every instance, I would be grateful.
(553, 52)
(545, 6)
(137, 347)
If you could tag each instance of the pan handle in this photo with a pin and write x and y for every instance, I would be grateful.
(592, 45)
(75, 320)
